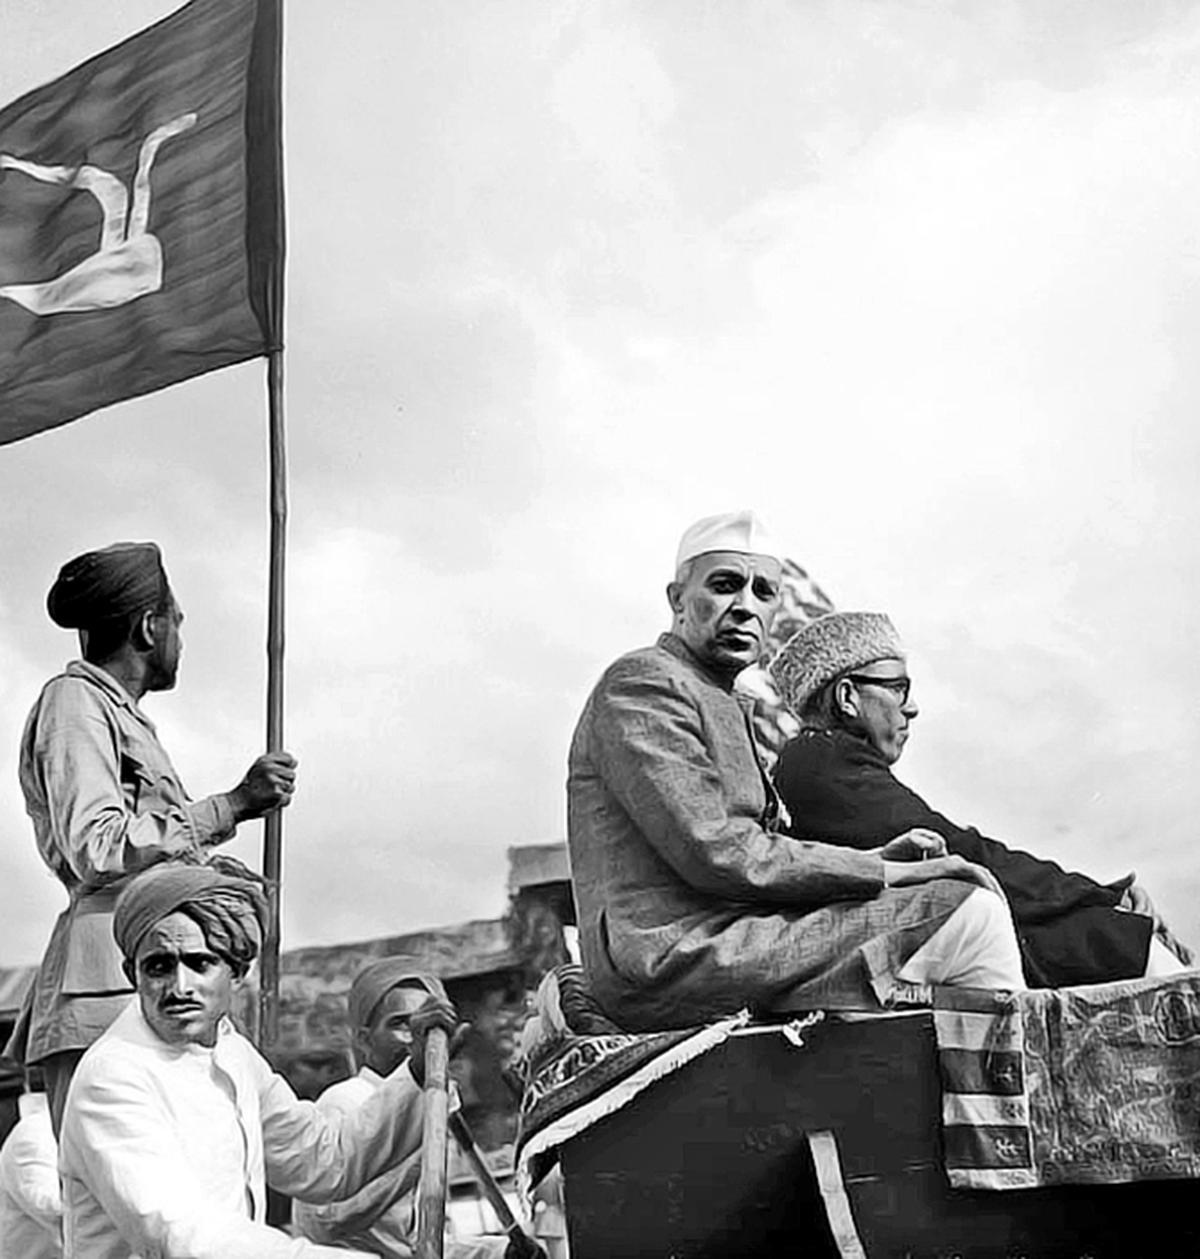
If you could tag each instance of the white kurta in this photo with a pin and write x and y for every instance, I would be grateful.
(166, 1151)
(368, 1220)
(382, 1217)
(30, 1203)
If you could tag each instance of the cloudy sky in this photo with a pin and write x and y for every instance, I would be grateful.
(918, 281)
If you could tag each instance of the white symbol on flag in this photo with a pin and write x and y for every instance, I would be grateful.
(129, 262)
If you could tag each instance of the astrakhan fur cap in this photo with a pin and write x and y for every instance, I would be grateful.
(828, 647)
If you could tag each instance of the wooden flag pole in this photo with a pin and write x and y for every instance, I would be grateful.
(266, 236)
(431, 1188)
(268, 998)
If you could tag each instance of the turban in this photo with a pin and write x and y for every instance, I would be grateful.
(739, 531)
(378, 978)
(230, 911)
(120, 580)
(828, 647)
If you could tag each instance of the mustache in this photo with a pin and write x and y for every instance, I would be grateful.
(752, 626)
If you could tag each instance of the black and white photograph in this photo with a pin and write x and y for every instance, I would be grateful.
(598, 605)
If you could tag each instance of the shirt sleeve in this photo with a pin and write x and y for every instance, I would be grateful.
(77, 759)
(1038, 888)
(350, 1218)
(844, 791)
(324, 1156)
(650, 747)
(116, 1140)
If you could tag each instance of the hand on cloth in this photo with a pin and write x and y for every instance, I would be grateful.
(908, 873)
(1136, 900)
(919, 844)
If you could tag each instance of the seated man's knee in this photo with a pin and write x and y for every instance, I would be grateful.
(976, 947)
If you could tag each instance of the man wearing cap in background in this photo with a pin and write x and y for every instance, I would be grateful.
(175, 1123)
(846, 680)
(104, 798)
(691, 904)
(381, 1217)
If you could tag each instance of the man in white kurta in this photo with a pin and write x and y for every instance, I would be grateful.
(30, 1201)
(382, 1216)
(175, 1124)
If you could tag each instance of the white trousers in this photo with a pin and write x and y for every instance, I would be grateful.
(1161, 961)
(976, 947)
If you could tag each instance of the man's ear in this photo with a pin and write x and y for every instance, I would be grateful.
(845, 697)
(675, 596)
(143, 634)
(362, 1045)
(130, 971)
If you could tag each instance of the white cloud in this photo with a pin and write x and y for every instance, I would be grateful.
(921, 286)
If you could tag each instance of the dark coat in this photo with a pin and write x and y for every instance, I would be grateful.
(840, 790)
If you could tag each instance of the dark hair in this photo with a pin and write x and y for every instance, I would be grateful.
(105, 638)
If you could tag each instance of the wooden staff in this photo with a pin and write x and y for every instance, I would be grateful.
(268, 997)
(525, 1245)
(431, 1192)
(266, 239)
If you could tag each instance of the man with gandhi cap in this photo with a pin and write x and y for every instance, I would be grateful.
(691, 904)
(845, 677)
(175, 1124)
(381, 1218)
(104, 797)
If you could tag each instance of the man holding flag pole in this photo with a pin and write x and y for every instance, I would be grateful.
(142, 198)
(104, 798)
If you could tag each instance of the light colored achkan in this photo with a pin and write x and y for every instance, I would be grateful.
(691, 905)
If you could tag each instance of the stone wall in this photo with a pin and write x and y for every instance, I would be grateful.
(490, 968)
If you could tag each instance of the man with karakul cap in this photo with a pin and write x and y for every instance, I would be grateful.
(845, 677)
(691, 903)
(104, 797)
(381, 1217)
(175, 1124)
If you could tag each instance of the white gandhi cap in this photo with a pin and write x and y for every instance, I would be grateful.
(738, 531)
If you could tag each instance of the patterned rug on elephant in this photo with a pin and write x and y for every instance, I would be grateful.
(1089, 1085)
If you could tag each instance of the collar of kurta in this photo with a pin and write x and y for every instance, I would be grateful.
(132, 1026)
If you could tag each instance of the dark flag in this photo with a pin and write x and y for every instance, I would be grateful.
(141, 216)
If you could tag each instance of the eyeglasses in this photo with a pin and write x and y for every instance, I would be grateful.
(899, 687)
